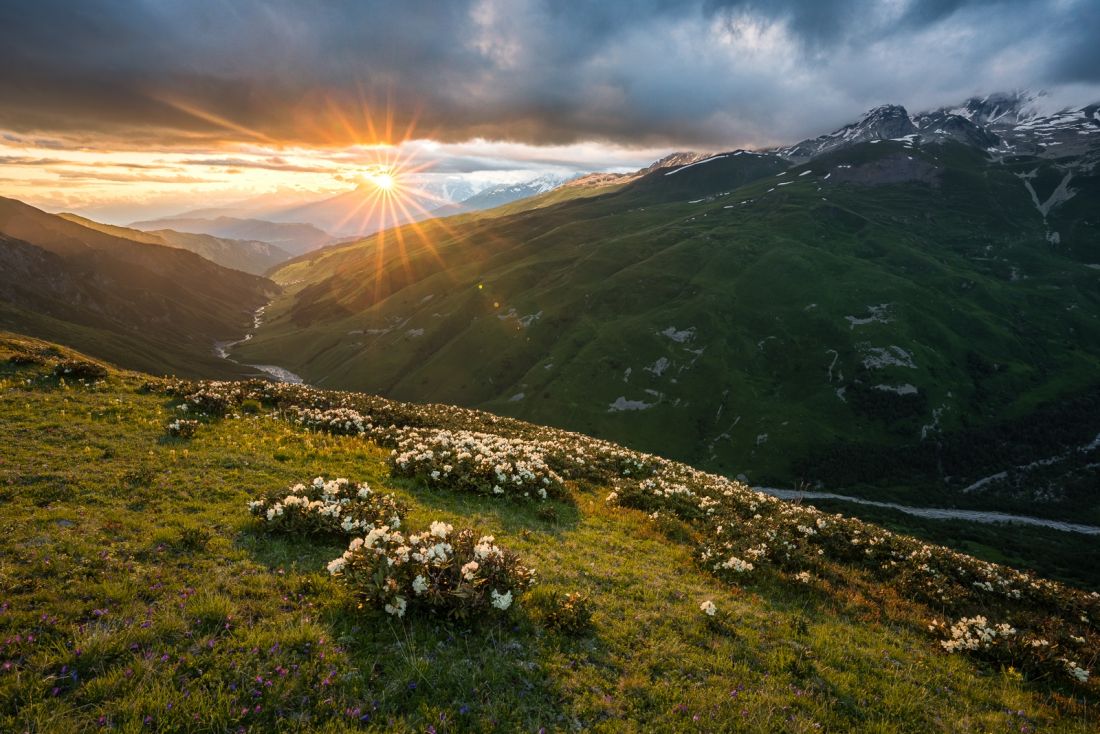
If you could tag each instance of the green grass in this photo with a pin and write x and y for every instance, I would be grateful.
(131, 560)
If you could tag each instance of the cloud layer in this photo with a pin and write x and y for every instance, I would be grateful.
(701, 73)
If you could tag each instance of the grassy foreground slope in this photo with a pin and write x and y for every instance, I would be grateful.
(889, 318)
(139, 594)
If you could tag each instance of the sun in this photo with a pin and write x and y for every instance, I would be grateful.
(386, 182)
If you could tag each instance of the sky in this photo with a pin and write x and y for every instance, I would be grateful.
(125, 109)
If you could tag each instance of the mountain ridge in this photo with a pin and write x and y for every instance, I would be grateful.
(295, 238)
(251, 256)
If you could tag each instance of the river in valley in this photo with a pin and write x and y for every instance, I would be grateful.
(937, 513)
(281, 374)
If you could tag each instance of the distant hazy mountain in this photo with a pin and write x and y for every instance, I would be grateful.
(506, 193)
(292, 237)
(140, 304)
(910, 301)
(251, 256)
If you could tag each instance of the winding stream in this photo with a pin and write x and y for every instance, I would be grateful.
(937, 513)
(280, 374)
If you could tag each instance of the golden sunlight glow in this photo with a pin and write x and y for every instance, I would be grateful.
(384, 181)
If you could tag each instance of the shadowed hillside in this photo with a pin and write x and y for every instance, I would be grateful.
(145, 306)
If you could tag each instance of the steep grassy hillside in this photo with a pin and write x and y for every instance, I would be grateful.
(891, 319)
(154, 308)
(141, 593)
(251, 256)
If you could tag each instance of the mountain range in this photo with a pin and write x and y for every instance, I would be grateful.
(251, 256)
(294, 238)
(306, 225)
(907, 306)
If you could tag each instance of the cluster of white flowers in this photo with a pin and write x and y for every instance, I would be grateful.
(182, 428)
(736, 564)
(501, 601)
(1075, 671)
(480, 462)
(327, 506)
(973, 633)
(708, 608)
(333, 420)
(437, 568)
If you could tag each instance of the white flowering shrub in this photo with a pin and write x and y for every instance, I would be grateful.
(475, 462)
(341, 421)
(79, 369)
(456, 573)
(973, 633)
(332, 507)
(182, 428)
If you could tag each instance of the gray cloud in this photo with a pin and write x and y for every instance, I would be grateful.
(644, 72)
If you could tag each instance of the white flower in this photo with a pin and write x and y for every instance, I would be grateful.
(501, 601)
(397, 607)
(336, 565)
(441, 529)
(1079, 674)
(708, 608)
(420, 585)
(803, 576)
(438, 553)
(737, 564)
(469, 571)
(375, 535)
(364, 491)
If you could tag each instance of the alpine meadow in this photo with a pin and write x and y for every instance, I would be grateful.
(520, 366)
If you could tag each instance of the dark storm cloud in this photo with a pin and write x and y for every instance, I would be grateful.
(699, 72)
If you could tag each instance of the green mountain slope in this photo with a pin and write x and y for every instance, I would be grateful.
(251, 256)
(141, 593)
(885, 301)
(150, 307)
